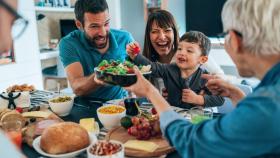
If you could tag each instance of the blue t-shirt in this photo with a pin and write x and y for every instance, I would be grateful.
(251, 130)
(75, 48)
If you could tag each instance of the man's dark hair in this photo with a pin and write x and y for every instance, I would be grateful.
(199, 38)
(90, 6)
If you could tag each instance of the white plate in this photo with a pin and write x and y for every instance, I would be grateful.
(36, 146)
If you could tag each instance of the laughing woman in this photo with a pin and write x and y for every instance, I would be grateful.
(161, 42)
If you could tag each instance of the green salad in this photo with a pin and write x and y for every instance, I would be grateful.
(116, 67)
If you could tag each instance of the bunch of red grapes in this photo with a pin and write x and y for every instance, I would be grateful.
(144, 129)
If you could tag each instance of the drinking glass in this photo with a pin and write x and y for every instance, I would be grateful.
(12, 129)
(198, 114)
(132, 106)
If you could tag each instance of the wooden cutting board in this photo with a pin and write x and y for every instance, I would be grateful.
(120, 134)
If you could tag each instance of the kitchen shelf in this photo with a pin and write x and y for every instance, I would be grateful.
(54, 9)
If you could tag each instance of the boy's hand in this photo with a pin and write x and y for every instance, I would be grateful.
(133, 49)
(189, 96)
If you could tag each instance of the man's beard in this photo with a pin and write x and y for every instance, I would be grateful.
(92, 42)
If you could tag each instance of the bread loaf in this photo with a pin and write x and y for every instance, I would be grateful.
(64, 138)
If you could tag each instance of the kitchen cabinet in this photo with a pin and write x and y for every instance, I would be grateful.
(48, 24)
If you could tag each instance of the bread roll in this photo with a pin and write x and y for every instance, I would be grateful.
(64, 138)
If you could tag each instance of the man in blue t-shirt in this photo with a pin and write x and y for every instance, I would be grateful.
(82, 50)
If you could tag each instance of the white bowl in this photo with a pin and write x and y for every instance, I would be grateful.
(119, 154)
(62, 108)
(110, 121)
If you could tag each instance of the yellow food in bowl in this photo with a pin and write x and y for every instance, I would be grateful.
(61, 99)
(111, 110)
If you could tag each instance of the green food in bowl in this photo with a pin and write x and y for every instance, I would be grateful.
(117, 67)
(120, 73)
(61, 99)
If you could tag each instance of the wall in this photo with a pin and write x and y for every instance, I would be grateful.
(132, 18)
(27, 68)
(115, 13)
(223, 59)
(178, 10)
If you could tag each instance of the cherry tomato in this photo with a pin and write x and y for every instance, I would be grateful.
(154, 112)
(136, 50)
(102, 68)
(130, 71)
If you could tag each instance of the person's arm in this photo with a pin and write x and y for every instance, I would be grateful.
(202, 97)
(218, 86)
(136, 57)
(144, 88)
(206, 100)
(238, 134)
(158, 69)
(132, 49)
(189, 96)
(211, 100)
(81, 84)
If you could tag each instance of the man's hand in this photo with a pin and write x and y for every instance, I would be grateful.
(133, 49)
(218, 86)
(189, 96)
(98, 82)
(81, 84)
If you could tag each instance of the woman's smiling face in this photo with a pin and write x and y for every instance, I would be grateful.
(162, 39)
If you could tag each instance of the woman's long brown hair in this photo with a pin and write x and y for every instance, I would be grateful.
(164, 19)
